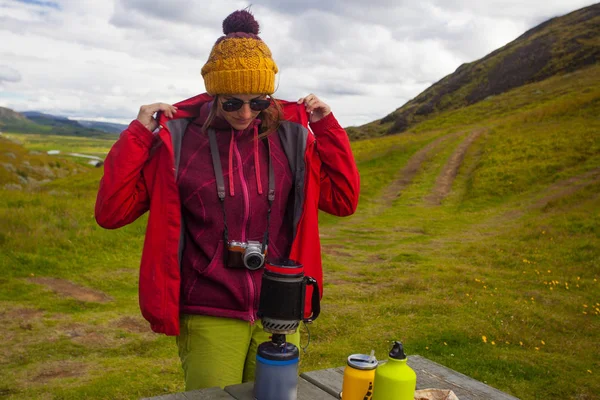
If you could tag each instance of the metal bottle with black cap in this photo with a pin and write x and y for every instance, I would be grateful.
(395, 380)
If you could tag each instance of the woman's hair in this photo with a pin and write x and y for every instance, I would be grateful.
(270, 118)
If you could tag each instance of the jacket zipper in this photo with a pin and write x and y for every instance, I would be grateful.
(251, 287)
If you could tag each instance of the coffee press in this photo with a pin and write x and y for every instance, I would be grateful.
(281, 309)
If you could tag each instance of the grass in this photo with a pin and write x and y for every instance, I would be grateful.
(499, 282)
(66, 144)
(512, 254)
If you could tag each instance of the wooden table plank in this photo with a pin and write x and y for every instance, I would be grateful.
(242, 391)
(306, 391)
(215, 393)
(172, 396)
(433, 375)
(329, 380)
(430, 375)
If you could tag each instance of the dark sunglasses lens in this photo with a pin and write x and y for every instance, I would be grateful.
(260, 104)
(232, 105)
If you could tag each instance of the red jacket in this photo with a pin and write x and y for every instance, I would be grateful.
(140, 172)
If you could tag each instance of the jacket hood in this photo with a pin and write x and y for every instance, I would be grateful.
(197, 108)
(189, 108)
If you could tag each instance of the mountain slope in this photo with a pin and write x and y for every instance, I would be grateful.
(557, 46)
(108, 127)
(37, 122)
(16, 122)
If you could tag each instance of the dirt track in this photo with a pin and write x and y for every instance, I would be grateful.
(444, 181)
(69, 289)
(407, 174)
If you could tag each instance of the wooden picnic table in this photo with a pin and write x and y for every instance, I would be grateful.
(326, 384)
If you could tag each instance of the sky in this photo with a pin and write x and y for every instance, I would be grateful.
(103, 59)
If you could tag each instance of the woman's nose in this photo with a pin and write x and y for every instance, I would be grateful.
(246, 111)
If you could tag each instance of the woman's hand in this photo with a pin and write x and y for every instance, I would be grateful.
(315, 107)
(146, 114)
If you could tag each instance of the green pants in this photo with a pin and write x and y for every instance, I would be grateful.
(220, 351)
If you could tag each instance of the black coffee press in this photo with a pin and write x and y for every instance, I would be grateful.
(281, 307)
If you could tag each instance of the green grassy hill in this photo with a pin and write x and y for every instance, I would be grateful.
(476, 243)
(14, 121)
(39, 123)
(558, 46)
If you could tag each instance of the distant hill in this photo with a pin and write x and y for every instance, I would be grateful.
(557, 46)
(13, 121)
(108, 127)
(37, 122)
(46, 119)
(53, 120)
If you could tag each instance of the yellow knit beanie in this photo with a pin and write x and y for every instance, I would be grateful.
(240, 62)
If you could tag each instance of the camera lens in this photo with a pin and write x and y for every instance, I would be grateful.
(253, 260)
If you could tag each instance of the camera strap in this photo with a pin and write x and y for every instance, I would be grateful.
(216, 160)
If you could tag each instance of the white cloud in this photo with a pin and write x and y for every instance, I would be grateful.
(103, 59)
(8, 74)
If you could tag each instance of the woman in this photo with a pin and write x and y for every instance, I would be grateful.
(232, 165)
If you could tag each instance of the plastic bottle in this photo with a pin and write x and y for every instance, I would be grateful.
(276, 376)
(359, 376)
(395, 380)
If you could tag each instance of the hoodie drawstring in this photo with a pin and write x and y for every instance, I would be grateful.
(256, 163)
(231, 190)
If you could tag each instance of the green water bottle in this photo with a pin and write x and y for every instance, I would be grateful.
(395, 380)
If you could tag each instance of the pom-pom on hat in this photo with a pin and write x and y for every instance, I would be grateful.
(240, 62)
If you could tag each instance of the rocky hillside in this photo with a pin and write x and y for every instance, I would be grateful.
(6, 114)
(557, 46)
(22, 169)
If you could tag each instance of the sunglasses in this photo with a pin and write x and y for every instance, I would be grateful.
(234, 104)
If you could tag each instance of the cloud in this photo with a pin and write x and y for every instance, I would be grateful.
(104, 59)
(8, 74)
(50, 4)
(193, 13)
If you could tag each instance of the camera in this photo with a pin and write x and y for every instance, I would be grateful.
(245, 254)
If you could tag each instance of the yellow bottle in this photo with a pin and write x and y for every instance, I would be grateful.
(359, 377)
(395, 380)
